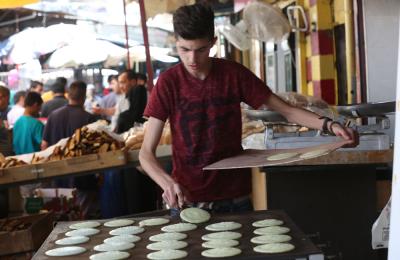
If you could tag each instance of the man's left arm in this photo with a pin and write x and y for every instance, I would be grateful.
(309, 119)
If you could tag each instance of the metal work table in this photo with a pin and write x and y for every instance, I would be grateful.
(332, 198)
(304, 248)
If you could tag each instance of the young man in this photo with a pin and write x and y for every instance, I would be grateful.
(28, 131)
(58, 100)
(36, 86)
(27, 134)
(62, 123)
(49, 95)
(201, 97)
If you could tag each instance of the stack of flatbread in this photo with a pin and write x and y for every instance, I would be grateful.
(170, 244)
(223, 241)
(272, 237)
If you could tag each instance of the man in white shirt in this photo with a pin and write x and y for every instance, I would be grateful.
(18, 109)
(126, 80)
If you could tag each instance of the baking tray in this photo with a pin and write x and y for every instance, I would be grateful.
(265, 115)
(251, 158)
(303, 246)
(367, 109)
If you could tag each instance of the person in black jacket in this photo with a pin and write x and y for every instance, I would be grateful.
(137, 98)
(134, 182)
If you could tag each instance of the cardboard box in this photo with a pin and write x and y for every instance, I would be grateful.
(36, 229)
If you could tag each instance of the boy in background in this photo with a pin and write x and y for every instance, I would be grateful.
(27, 135)
(28, 130)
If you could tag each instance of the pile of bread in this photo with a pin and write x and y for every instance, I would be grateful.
(134, 137)
(9, 162)
(84, 141)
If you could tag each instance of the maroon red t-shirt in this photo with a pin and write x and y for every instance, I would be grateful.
(206, 125)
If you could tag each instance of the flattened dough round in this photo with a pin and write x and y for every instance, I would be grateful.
(282, 156)
(218, 243)
(314, 153)
(122, 238)
(274, 248)
(221, 252)
(167, 254)
(66, 251)
(171, 244)
(268, 223)
(153, 222)
(274, 230)
(180, 227)
(86, 224)
(269, 239)
(224, 226)
(119, 223)
(195, 215)
(168, 236)
(110, 255)
(67, 241)
(222, 235)
(129, 230)
(82, 232)
(115, 246)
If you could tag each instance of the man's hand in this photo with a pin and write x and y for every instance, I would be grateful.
(346, 133)
(97, 110)
(174, 196)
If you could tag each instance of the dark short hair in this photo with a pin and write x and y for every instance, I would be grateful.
(142, 76)
(194, 22)
(32, 98)
(58, 87)
(19, 95)
(130, 74)
(35, 83)
(111, 78)
(77, 91)
(4, 91)
(62, 81)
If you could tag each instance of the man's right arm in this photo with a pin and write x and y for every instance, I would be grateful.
(173, 194)
(104, 111)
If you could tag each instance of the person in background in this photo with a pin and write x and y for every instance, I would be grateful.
(4, 105)
(126, 81)
(5, 144)
(135, 183)
(62, 123)
(36, 86)
(27, 134)
(109, 88)
(58, 100)
(201, 96)
(141, 79)
(28, 130)
(48, 95)
(108, 102)
(137, 98)
(18, 109)
(92, 100)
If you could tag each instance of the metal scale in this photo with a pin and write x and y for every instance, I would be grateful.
(372, 137)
